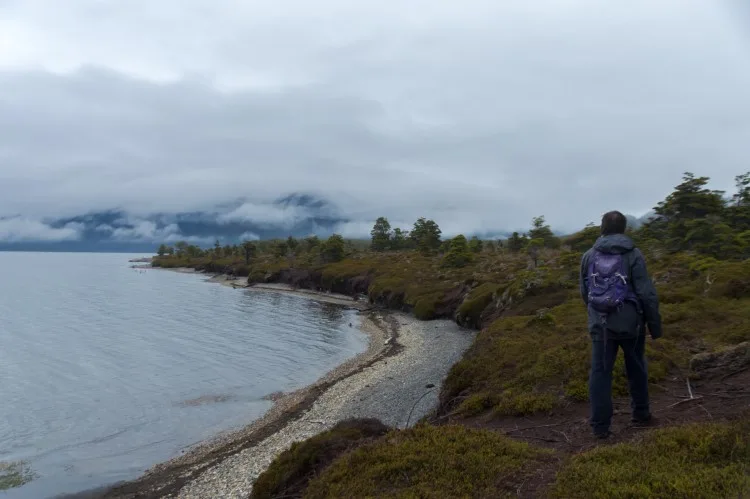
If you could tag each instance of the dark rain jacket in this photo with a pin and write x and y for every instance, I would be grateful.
(629, 320)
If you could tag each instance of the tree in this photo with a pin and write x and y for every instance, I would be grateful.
(217, 249)
(458, 255)
(534, 248)
(516, 242)
(491, 246)
(445, 246)
(170, 250)
(249, 249)
(739, 211)
(162, 250)
(742, 196)
(426, 235)
(280, 249)
(690, 200)
(333, 249)
(540, 230)
(711, 236)
(292, 244)
(194, 251)
(381, 234)
(476, 245)
(584, 239)
(227, 251)
(399, 239)
(181, 248)
(311, 242)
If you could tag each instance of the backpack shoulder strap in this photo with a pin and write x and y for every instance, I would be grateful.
(592, 260)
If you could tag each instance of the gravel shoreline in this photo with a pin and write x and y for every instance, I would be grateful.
(398, 389)
(396, 380)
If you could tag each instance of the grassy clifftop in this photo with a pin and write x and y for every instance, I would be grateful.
(512, 418)
(531, 359)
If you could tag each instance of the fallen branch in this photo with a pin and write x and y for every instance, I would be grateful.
(684, 401)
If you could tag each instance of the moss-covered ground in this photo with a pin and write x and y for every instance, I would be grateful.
(531, 360)
(430, 461)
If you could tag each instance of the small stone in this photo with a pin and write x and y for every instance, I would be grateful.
(429, 385)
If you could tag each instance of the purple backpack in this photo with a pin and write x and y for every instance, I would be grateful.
(608, 283)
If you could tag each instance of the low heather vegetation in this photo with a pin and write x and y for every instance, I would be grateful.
(531, 355)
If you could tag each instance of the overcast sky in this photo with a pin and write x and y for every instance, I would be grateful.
(479, 114)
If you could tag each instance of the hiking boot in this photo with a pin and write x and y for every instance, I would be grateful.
(647, 420)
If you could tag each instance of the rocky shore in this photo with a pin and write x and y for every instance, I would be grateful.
(396, 380)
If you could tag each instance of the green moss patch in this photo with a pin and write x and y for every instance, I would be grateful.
(700, 461)
(524, 364)
(470, 311)
(427, 462)
(289, 473)
(14, 474)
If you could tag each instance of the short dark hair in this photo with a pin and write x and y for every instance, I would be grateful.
(614, 222)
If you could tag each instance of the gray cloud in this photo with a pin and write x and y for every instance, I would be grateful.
(20, 229)
(266, 215)
(479, 115)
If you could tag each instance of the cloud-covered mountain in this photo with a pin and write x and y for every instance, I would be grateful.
(297, 215)
(116, 230)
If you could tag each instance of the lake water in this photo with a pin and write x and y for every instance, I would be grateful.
(106, 370)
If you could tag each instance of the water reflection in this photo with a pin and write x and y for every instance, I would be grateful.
(332, 313)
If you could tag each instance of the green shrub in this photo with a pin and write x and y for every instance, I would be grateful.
(14, 474)
(431, 462)
(424, 309)
(524, 403)
(459, 254)
(702, 461)
(290, 472)
(470, 311)
(477, 404)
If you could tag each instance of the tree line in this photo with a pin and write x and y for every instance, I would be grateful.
(458, 251)
(330, 250)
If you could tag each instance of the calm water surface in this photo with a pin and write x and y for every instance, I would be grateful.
(106, 370)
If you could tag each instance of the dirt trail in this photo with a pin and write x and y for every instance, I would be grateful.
(566, 429)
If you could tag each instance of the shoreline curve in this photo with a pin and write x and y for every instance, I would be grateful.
(366, 385)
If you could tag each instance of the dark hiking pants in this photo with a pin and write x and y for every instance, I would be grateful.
(603, 356)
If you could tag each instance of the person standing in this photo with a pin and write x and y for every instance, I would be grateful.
(621, 300)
